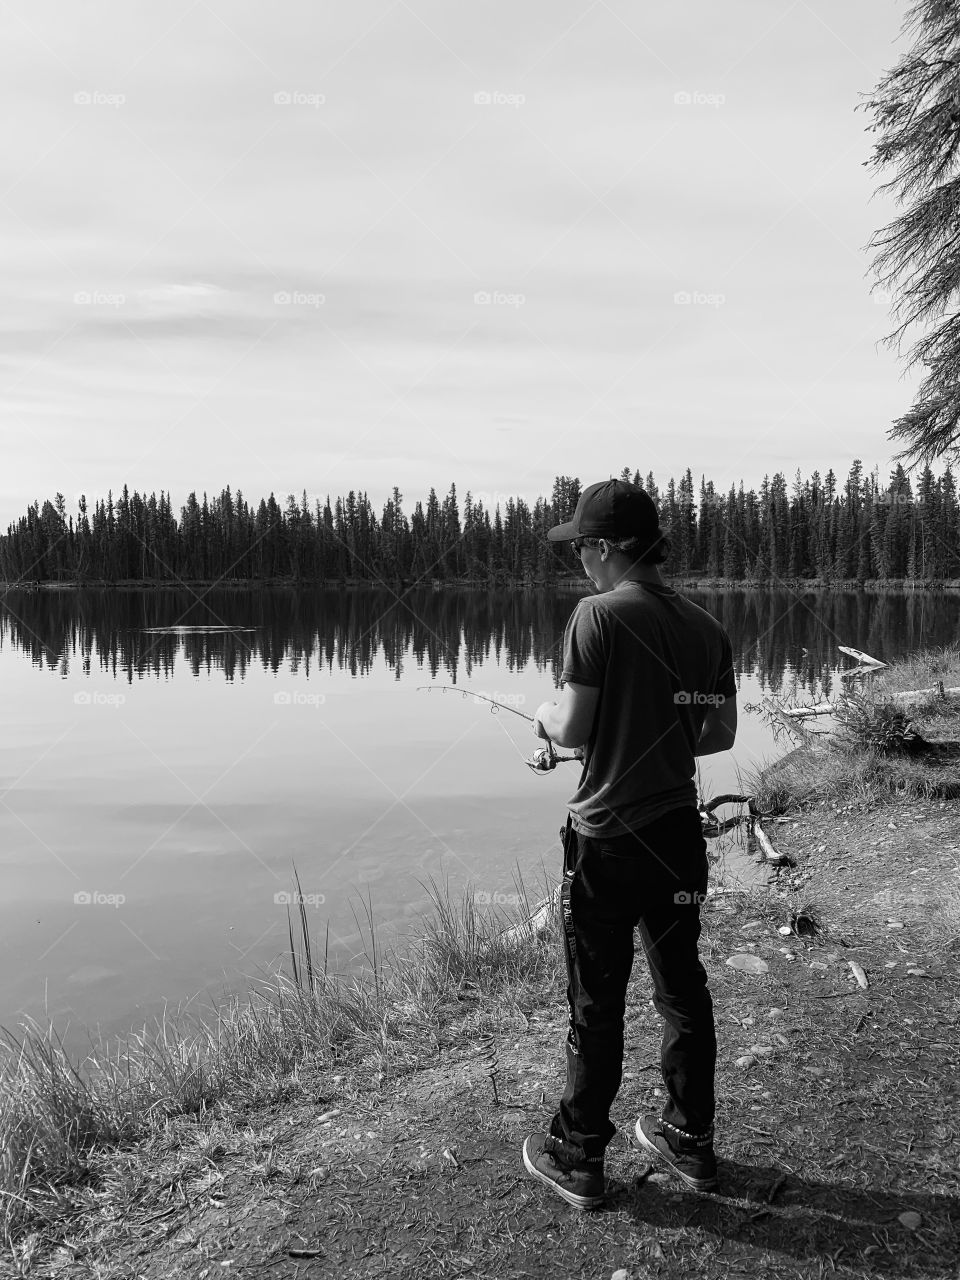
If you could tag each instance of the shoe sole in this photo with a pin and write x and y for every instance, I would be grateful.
(696, 1184)
(578, 1202)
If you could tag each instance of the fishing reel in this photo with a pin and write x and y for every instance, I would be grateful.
(544, 759)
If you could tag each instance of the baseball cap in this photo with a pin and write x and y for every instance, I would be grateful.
(610, 509)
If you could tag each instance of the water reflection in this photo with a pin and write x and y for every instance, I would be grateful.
(777, 636)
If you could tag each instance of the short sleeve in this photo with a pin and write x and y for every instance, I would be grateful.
(585, 647)
(726, 682)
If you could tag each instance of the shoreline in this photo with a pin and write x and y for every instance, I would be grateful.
(375, 1148)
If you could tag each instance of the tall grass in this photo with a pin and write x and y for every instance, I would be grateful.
(56, 1116)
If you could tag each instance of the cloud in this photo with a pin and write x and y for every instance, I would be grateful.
(186, 298)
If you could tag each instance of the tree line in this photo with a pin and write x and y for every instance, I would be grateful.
(814, 529)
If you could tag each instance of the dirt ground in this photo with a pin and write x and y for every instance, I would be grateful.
(837, 1128)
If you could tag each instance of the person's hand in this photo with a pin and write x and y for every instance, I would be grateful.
(543, 709)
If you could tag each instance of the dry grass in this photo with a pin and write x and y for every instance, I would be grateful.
(58, 1116)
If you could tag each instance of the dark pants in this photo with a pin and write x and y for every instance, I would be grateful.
(655, 878)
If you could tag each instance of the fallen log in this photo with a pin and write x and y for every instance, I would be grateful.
(801, 713)
(861, 656)
(922, 693)
(769, 852)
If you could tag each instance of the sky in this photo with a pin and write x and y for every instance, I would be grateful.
(296, 247)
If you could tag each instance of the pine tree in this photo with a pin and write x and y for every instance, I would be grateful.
(916, 110)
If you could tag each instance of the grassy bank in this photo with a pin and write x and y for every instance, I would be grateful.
(372, 1126)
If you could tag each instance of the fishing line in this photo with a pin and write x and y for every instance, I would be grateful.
(543, 760)
(510, 740)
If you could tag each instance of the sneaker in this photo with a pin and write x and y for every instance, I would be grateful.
(581, 1183)
(692, 1160)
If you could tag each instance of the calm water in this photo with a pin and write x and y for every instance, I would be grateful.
(175, 777)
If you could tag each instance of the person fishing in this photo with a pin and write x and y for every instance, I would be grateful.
(647, 685)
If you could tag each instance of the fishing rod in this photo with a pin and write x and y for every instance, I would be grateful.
(543, 760)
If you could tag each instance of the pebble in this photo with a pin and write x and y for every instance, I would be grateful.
(774, 1013)
(918, 973)
(894, 924)
(621, 1273)
(746, 1061)
(910, 1220)
(785, 930)
(761, 1050)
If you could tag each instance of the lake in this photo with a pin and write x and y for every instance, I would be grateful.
(170, 755)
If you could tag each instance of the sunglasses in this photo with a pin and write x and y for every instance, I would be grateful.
(579, 543)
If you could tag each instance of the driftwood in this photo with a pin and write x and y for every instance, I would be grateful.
(769, 852)
(921, 693)
(860, 656)
(801, 713)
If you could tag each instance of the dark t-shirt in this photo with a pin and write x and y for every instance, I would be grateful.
(660, 661)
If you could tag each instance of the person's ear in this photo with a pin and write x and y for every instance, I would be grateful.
(604, 548)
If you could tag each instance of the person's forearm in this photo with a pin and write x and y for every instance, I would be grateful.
(714, 740)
